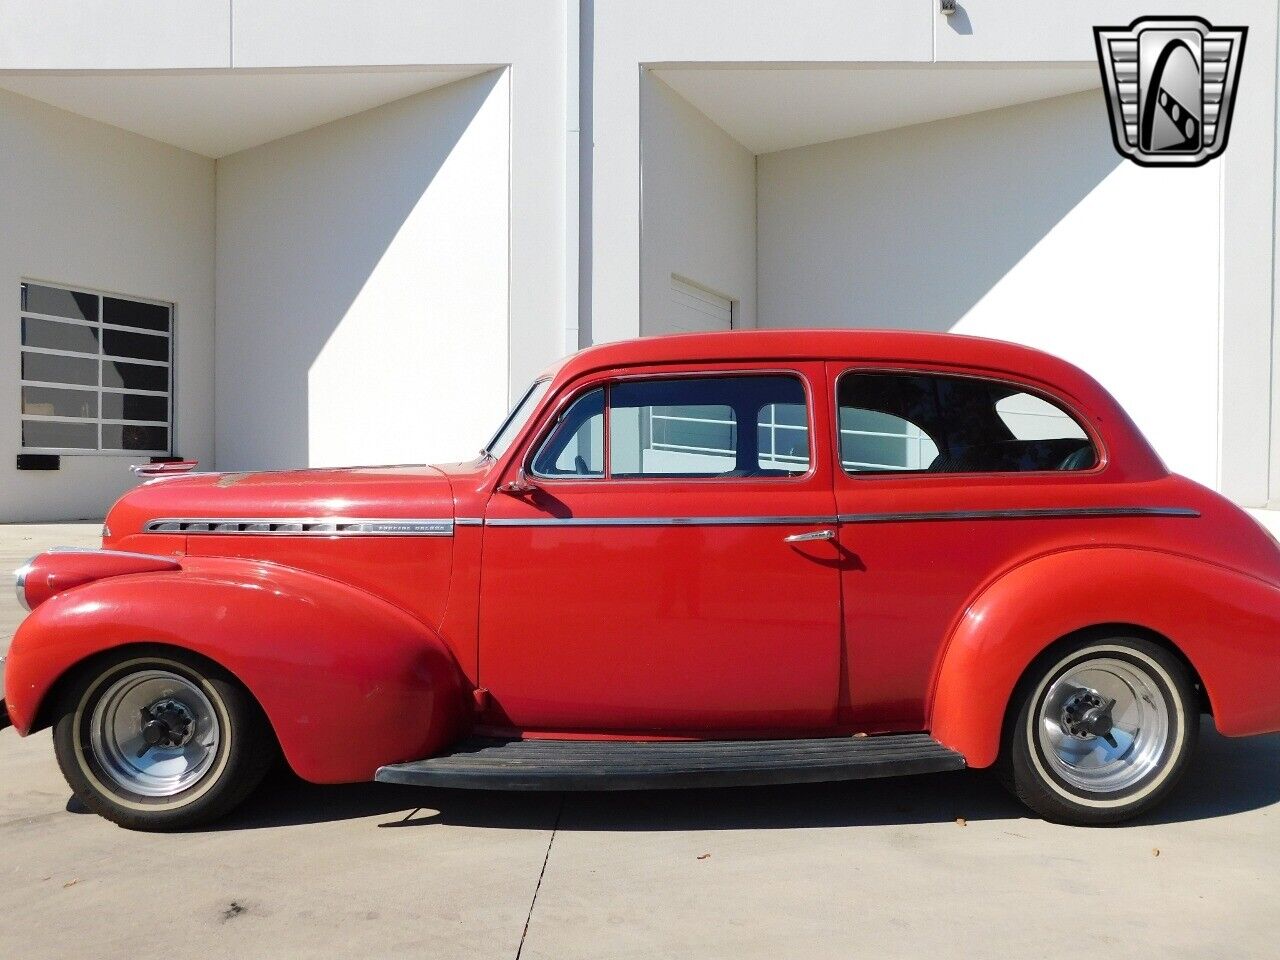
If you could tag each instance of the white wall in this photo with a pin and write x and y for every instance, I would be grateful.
(627, 35)
(1022, 224)
(526, 35)
(86, 204)
(362, 285)
(698, 210)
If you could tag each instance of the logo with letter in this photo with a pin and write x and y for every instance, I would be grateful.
(1170, 85)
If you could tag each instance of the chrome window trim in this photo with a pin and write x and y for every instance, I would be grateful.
(304, 526)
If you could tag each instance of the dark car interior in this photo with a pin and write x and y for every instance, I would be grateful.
(961, 416)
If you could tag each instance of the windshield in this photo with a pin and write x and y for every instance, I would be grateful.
(516, 419)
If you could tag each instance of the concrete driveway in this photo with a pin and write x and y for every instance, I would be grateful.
(870, 869)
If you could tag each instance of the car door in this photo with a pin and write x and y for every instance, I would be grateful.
(651, 580)
(945, 478)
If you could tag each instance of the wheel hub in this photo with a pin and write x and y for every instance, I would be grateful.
(154, 733)
(1104, 725)
(167, 723)
(1087, 714)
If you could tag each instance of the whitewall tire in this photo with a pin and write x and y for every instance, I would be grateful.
(1103, 728)
(158, 739)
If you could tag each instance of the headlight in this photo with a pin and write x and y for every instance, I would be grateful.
(20, 583)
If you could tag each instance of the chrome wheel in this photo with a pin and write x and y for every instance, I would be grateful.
(154, 733)
(1104, 725)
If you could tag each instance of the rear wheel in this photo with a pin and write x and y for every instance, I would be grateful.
(160, 740)
(1104, 729)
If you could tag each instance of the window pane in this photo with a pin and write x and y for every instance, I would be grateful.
(117, 436)
(59, 336)
(742, 426)
(1029, 417)
(132, 406)
(873, 441)
(56, 369)
(576, 446)
(516, 419)
(131, 313)
(784, 437)
(136, 346)
(686, 439)
(79, 436)
(48, 402)
(59, 303)
(134, 376)
(906, 422)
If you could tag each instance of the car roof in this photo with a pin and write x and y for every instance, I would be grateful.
(880, 346)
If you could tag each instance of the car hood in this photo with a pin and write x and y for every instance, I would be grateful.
(349, 493)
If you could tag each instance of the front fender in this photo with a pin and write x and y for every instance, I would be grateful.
(348, 681)
(1226, 623)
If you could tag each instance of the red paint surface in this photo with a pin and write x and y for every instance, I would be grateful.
(366, 650)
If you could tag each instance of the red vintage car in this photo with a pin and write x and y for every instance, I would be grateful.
(741, 558)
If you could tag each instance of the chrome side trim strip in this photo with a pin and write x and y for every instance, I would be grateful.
(306, 527)
(343, 527)
(655, 521)
(1034, 513)
(1038, 513)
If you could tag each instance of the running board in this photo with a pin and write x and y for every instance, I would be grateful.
(489, 764)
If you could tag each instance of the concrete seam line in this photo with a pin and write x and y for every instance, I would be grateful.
(541, 873)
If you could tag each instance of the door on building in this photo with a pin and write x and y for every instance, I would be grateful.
(648, 584)
(692, 308)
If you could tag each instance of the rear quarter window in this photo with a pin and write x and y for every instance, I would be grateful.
(909, 422)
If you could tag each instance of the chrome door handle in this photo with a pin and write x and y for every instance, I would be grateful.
(827, 534)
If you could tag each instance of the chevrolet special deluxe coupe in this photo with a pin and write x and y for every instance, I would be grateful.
(717, 559)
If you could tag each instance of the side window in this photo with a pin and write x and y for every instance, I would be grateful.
(729, 426)
(923, 422)
(575, 447)
(725, 426)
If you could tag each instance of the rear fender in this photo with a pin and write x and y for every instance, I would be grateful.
(1226, 624)
(348, 681)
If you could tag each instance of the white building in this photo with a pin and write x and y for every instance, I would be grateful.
(363, 227)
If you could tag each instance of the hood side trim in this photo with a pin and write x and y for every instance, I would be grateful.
(306, 526)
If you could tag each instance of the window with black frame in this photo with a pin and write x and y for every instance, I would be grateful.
(683, 427)
(96, 372)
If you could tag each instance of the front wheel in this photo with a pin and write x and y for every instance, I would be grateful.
(1103, 730)
(160, 740)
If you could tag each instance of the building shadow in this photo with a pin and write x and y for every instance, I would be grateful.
(304, 223)
(1227, 776)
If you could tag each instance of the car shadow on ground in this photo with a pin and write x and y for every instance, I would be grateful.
(1227, 776)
